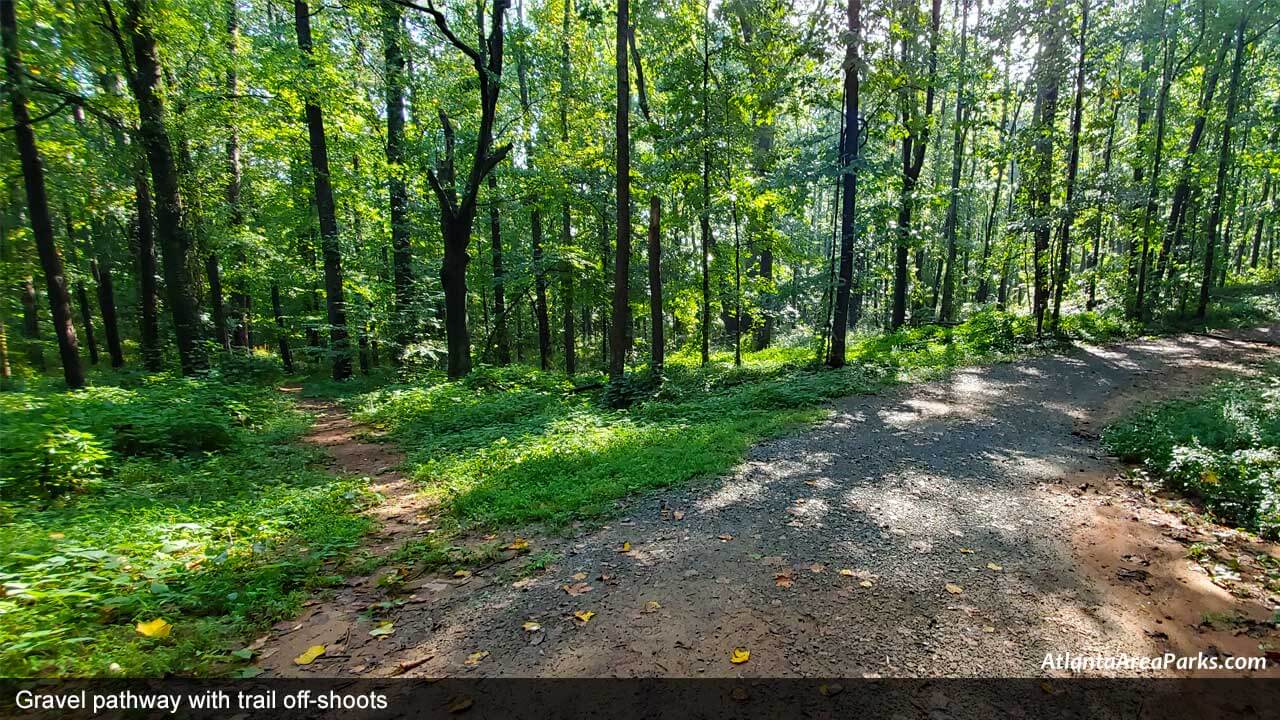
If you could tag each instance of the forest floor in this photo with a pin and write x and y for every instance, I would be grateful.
(962, 527)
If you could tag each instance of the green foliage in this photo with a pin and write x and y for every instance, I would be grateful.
(1223, 448)
(217, 544)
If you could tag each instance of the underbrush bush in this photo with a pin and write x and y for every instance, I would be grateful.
(1222, 448)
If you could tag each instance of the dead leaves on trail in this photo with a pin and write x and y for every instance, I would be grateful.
(783, 579)
(475, 658)
(739, 655)
(576, 589)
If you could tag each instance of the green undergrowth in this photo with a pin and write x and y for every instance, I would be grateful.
(507, 446)
(184, 500)
(1222, 448)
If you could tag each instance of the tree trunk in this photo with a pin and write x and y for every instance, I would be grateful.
(1073, 167)
(336, 307)
(1224, 164)
(286, 357)
(107, 303)
(622, 258)
(848, 159)
(215, 299)
(401, 258)
(655, 284)
(540, 292)
(38, 202)
(175, 242)
(1042, 191)
(31, 325)
(148, 295)
(86, 317)
(240, 299)
(947, 312)
(500, 335)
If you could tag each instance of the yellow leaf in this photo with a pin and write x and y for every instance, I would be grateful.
(966, 551)
(462, 574)
(626, 548)
(954, 589)
(157, 628)
(678, 515)
(531, 627)
(310, 655)
(56, 536)
(652, 605)
(579, 576)
(1209, 477)
(988, 628)
(519, 544)
(474, 658)
(385, 628)
(993, 566)
(867, 583)
(584, 615)
(846, 572)
(740, 655)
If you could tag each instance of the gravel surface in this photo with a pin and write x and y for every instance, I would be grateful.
(931, 530)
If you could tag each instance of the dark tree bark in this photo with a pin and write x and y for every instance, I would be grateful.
(620, 340)
(1073, 168)
(848, 160)
(946, 312)
(914, 144)
(566, 217)
(286, 357)
(148, 295)
(655, 284)
(31, 325)
(334, 303)
(1157, 163)
(401, 258)
(144, 74)
(1224, 164)
(214, 274)
(38, 201)
(704, 217)
(82, 293)
(107, 303)
(1096, 262)
(240, 299)
(458, 213)
(500, 335)
(1047, 77)
(540, 290)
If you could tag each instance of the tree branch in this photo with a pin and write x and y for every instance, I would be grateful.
(443, 24)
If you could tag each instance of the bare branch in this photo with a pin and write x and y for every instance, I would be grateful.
(443, 24)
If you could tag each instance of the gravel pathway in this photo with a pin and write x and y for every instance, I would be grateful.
(932, 530)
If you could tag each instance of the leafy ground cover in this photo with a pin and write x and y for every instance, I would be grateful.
(183, 501)
(1222, 448)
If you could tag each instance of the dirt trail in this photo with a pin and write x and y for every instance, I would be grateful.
(965, 527)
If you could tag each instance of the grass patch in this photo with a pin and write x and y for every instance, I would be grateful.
(217, 541)
(1222, 448)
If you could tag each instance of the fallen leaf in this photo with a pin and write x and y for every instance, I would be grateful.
(652, 606)
(580, 576)
(966, 551)
(817, 568)
(740, 655)
(474, 658)
(519, 544)
(846, 572)
(867, 584)
(726, 537)
(385, 628)
(310, 655)
(678, 515)
(993, 566)
(584, 615)
(462, 574)
(459, 704)
(782, 580)
(954, 589)
(531, 627)
(157, 628)
(577, 589)
(626, 548)
(988, 628)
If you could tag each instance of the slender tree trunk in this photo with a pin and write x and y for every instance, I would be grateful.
(401, 258)
(286, 357)
(540, 291)
(82, 294)
(215, 300)
(240, 298)
(1224, 164)
(38, 201)
(848, 169)
(704, 217)
(1260, 224)
(500, 335)
(566, 217)
(947, 312)
(107, 303)
(1073, 167)
(31, 325)
(1096, 262)
(655, 284)
(619, 342)
(6, 374)
(1042, 192)
(175, 242)
(148, 295)
(335, 305)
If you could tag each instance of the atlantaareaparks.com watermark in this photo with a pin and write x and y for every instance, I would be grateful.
(1167, 661)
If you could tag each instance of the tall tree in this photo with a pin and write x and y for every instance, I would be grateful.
(849, 152)
(1073, 169)
(401, 256)
(38, 201)
(946, 311)
(329, 242)
(656, 343)
(620, 341)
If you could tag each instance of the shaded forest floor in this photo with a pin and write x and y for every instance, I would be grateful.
(964, 526)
